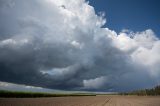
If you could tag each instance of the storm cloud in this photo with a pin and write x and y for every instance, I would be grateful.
(61, 44)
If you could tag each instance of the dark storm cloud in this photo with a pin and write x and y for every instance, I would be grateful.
(43, 44)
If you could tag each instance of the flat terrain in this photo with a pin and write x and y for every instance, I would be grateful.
(83, 101)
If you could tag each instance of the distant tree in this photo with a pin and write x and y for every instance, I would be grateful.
(146, 92)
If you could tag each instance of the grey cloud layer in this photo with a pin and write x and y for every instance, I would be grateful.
(60, 44)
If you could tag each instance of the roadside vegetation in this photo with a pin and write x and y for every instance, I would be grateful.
(145, 92)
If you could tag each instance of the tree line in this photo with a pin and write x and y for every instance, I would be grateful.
(18, 94)
(144, 92)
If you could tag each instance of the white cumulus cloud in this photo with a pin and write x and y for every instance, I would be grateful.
(61, 44)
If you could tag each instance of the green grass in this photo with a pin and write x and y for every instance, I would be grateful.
(15, 94)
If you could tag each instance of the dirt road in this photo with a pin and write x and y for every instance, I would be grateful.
(83, 101)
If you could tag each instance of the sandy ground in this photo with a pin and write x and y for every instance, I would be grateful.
(83, 101)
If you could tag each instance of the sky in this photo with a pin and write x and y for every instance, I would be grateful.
(135, 15)
(78, 46)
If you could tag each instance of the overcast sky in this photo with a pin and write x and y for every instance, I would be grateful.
(67, 45)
